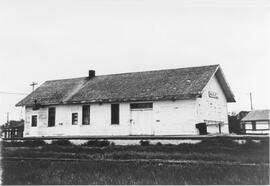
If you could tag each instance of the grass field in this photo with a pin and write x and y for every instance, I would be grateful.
(209, 162)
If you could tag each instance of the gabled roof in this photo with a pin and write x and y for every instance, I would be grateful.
(181, 83)
(257, 115)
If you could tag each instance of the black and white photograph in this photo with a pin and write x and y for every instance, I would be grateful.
(134, 92)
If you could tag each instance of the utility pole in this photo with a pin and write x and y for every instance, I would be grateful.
(251, 105)
(33, 84)
(7, 117)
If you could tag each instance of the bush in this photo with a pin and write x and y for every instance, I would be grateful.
(61, 142)
(26, 143)
(34, 143)
(250, 144)
(225, 142)
(144, 143)
(97, 143)
(12, 143)
(264, 143)
(158, 144)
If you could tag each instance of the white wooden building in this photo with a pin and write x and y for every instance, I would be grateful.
(256, 122)
(164, 102)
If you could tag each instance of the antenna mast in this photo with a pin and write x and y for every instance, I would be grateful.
(33, 84)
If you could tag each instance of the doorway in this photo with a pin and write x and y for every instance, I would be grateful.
(141, 119)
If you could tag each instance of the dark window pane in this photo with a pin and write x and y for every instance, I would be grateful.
(34, 121)
(253, 125)
(141, 105)
(74, 118)
(114, 113)
(86, 115)
(51, 118)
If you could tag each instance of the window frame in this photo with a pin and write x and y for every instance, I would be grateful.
(115, 114)
(32, 121)
(141, 105)
(73, 116)
(85, 114)
(51, 116)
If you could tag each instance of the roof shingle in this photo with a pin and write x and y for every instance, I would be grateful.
(257, 115)
(182, 83)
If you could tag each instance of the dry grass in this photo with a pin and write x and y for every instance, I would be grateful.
(102, 172)
(97, 170)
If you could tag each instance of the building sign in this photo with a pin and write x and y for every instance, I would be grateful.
(212, 94)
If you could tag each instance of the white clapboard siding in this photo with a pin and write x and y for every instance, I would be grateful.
(168, 117)
(262, 127)
(213, 109)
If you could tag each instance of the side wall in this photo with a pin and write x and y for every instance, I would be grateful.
(212, 107)
(262, 127)
(100, 121)
(175, 118)
(168, 118)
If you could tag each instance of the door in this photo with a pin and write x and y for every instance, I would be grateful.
(141, 122)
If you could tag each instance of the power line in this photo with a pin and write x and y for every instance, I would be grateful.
(15, 93)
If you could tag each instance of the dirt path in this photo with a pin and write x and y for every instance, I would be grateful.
(160, 161)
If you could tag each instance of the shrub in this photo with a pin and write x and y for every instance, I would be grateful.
(61, 142)
(250, 144)
(26, 143)
(97, 143)
(264, 143)
(144, 143)
(158, 144)
(34, 143)
(12, 143)
(218, 142)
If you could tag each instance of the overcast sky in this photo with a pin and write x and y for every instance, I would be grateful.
(54, 39)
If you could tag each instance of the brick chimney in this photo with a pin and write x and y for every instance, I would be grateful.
(91, 74)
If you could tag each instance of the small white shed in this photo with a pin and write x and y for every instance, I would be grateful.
(256, 122)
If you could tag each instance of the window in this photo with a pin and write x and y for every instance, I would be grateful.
(141, 105)
(114, 113)
(86, 114)
(74, 118)
(243, 126)
(253, 125)
(51, 118)
(34, 121)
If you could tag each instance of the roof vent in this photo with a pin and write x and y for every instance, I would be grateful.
(91, 73)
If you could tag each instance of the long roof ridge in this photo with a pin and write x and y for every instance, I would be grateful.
(133, 72)
(159, 70)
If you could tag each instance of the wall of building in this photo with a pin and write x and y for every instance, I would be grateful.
(100, 118)
(175, 117)
(262, 127)
(168, 118)
(212, 107)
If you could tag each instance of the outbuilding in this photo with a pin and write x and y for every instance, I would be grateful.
(256, 122)
(183, 101)
(13, 129)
